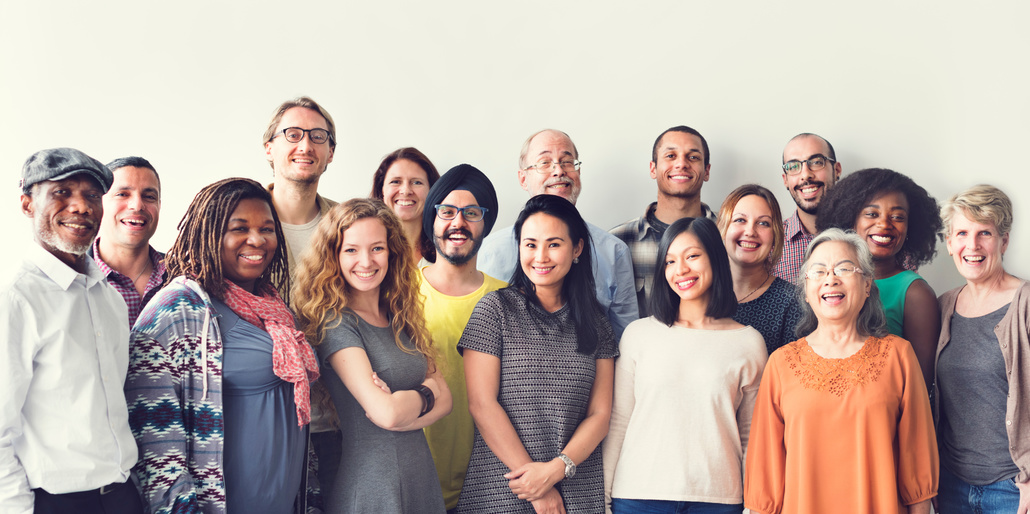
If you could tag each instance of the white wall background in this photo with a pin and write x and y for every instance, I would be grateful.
(938, 91)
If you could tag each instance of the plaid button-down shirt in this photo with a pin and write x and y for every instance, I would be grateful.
(124, 285)
(642, 236)
(795, 241)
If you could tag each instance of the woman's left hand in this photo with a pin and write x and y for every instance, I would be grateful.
(533, 480)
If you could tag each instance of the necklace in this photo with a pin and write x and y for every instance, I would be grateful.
(741, 300)
(145, 266)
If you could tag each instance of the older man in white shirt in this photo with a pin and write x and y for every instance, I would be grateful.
(65, 443)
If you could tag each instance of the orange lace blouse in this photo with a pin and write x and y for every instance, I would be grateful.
(841, 435)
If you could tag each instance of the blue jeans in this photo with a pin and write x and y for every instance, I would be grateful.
(621, 506)
(957, 497)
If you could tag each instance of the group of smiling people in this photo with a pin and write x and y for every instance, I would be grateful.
(813, 396)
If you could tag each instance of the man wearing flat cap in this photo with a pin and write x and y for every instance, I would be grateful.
(549, 164)
(461, 208)
(65, 443)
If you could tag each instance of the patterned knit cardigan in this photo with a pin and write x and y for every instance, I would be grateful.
(174, 394)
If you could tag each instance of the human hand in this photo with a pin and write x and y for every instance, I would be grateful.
(380, 383)
(550, 503)
(1024, 497)
(532, 480)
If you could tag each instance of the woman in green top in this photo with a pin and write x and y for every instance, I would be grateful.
(901, 223)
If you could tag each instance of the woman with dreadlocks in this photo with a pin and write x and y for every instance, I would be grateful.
(218, 375)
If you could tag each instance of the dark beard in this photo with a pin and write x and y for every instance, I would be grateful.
(458, 260)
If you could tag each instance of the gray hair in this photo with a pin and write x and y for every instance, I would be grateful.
(871, 319)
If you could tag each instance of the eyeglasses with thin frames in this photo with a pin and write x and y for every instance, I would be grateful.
(815, 163)
(544, 167)
(820, 272)
(471, 213)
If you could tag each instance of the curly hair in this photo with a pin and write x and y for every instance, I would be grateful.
(730, 203)
(846, 199)
(197, 251)
(321, 292)
(425, 242)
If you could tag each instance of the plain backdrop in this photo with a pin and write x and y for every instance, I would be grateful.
(938, 91)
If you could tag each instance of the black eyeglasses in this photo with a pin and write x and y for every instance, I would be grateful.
(295, 134)
(815, 163)
(472, 213)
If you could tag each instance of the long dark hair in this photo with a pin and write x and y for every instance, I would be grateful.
(722, 303)
(578, 287)
(425, 242)
(197, 251)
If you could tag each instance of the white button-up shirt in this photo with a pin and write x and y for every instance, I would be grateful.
(64, 353)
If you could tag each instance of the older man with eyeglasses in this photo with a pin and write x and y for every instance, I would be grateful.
(549, 163)
(810, 168)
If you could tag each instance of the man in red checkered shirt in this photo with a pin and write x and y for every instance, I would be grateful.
(810, 168)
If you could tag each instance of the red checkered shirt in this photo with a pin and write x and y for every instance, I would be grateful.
(124, 285)
(795, 241)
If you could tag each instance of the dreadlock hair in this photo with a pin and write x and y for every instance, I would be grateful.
(577, 288)
(197, 251)
(321, 293)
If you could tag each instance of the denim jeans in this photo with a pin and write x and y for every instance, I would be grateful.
(621, 506)
(957, 497)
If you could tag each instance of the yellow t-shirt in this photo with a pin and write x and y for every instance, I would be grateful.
(450, 438)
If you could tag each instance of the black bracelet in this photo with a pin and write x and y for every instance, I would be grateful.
(428, 399)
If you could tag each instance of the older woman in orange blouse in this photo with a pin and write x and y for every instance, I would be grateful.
(842, 421)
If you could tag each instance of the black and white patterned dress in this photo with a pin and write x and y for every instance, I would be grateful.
(545, 389)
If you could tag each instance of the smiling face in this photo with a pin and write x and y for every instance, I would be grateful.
(688, 269)
(553, 147)
(249, 243)
(977, 248)
(364, 256)
(65, 215)
(457, 240)
(405, 187)
(132, 207)
(546, 252)
(883, 223)
(834, 298)
(808, 187)
(303, 161)
(680, 168)
(750, 235)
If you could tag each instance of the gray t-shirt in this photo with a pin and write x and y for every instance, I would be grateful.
(974, 390)
(381, 470)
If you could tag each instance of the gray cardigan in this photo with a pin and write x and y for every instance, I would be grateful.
(1014, 337)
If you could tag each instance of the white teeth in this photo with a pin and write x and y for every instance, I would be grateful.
(974, 258)
(135, 223)
(808, 190)
(364, 274)
(882, 239)
(74, 225)
(748, 244)
(833, 295)
(253, 258)
(405, 203)
(686, 283)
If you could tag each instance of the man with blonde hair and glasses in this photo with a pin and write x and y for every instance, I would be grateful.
(810, 168)
(549, 164)
(299, 144)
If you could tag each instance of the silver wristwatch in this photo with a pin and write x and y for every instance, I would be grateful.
(570, 467)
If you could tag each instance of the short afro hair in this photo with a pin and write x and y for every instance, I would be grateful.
(846, 199)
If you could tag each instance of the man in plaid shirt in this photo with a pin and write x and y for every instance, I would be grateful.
(122, 251)
(810, 168)
(680, 163)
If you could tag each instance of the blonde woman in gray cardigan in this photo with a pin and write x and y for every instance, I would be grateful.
(685, 386)
(983, 364)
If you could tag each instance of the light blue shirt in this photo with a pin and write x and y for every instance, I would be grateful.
(613, 270)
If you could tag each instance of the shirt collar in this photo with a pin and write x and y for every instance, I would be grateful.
(793, 227)
(156, 261)
(60, 273)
